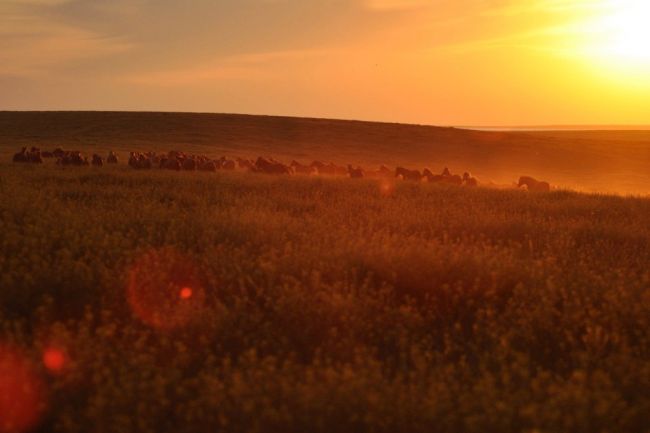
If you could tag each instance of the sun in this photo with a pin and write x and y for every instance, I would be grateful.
(630, 30)
(622, 32)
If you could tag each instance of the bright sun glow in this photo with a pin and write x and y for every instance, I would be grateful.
(623, 32)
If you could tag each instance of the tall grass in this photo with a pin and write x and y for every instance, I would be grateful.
(326, 305)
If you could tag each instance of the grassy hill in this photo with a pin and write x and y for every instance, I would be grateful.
(607, 161)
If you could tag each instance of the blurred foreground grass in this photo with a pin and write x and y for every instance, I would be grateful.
(323, 305)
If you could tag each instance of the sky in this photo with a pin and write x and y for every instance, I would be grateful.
(443, 62)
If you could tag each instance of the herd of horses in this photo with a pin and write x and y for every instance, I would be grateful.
(181, 161)
(63, 157)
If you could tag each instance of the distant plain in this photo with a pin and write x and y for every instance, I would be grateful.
(593, 161)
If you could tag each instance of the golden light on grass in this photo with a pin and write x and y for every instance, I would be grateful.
(21, 392)
(326, 290)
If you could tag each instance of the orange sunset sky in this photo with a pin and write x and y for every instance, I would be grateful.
(449, 62)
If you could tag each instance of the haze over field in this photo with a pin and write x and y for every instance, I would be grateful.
(611, 161)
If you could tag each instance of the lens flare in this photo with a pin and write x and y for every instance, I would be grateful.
(186, 293)
(55, 360)
(386, 187)
(21, 393)
(164, 289)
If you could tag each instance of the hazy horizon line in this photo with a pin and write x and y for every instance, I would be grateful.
(559, 127)
(529, 127)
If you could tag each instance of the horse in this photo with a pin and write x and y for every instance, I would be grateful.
(533, 184)
(406, 174)
(299, 168)
(469, 180)
(271, 166)
(355, 173)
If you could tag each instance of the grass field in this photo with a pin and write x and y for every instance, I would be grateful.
(156, 301)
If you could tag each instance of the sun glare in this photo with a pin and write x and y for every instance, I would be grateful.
(630, 30)
(623, 33)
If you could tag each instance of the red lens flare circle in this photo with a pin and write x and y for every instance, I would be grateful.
(386, 187)
(21, 393)
(164, 289)
(185, 293)
(55, 360)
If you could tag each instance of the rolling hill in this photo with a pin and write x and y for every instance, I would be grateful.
(595, 161)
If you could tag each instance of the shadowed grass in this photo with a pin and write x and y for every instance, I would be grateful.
(329, 306)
